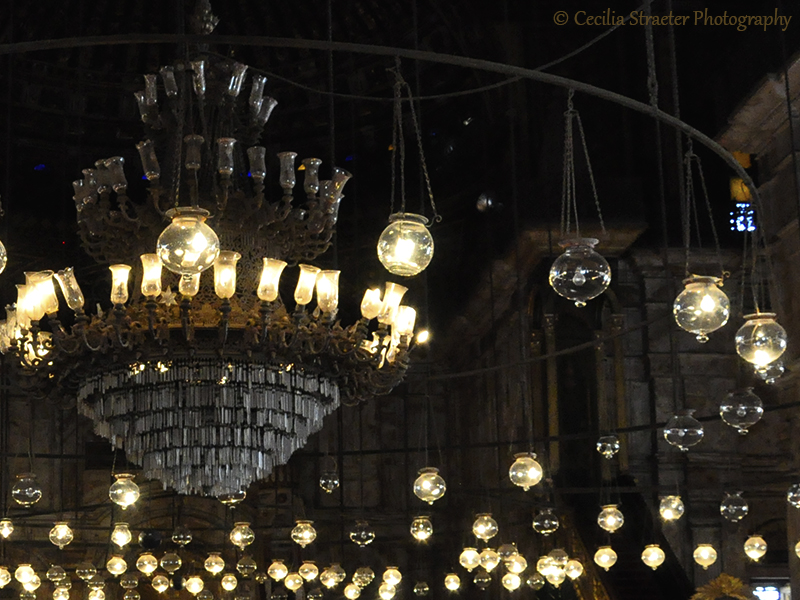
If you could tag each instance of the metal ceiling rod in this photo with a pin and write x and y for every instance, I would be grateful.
(432, 57)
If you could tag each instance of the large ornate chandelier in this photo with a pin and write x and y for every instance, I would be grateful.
(210, 388)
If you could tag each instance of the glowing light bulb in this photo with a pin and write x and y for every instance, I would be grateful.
(124, 492)
(705, 555)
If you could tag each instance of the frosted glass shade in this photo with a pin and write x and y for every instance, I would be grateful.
(151, 275)
(225, 274)
(306, 282)
(270, 278)
(328, 291)
(119, 283)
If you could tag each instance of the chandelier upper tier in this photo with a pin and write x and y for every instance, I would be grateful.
(210, 388)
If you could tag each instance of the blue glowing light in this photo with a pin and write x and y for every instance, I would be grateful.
(743, 218)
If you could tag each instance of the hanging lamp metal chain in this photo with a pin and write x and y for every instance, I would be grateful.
(436, 216)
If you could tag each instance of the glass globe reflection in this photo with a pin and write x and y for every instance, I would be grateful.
(429, 485)
(525, 470)
(701, 307)
(683, 431)
(580, 273)
(308, 570)
(741, 410)
(761, 340)
(405, 247)
(352, 591)
(187, 246)
(733, 507)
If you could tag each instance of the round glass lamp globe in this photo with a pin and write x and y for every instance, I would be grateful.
(303, 533)
(308, 570)
(247, 567)
(363, 576)
(329, 481)
(580, 273)
(671, 508)
(705, 555)
(160, 583)
(511, 581)
(545, 564)
(516, 564)
(214, 564)
(683, 431)
(188, 245)
(386, 591)
(61, 534)
(489, 559)
(421, 528)
(608, 446)
(545, 522)
(573, 568)
(124, 492)
(129, 581)
(525, 471)
(741, 410)
(405, 247)
(755, 547)
(205, 594)
(116, 565)
(277, 570)
(392, 576)
(24, 573)
(452, 582)
(536, 581)
(610, 518)
(171, 562)
(85, 571)
(556, 576)
(482, 579)
(559, 557)
(362, 533)
(701, 307)
(352, 591)
(653, 556)
(469, 558)
(484, 527)
(55, 573)
(26, 490)
(194, 585)
(131, 595)
(429, 485)
(241, 535)
(733, 507)
(605, 557)
(793, 495)
(421, 588)
(147, 563)
(121, 535)
(229, 582)
(6, 528)
(761, 340)
(182, 535)
(60, 593)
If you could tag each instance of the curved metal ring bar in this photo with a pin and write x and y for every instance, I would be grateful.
(433, 57)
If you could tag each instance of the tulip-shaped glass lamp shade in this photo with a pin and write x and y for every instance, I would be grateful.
(516, 563)
(277, 570)
(489, 559)
(371, 304)
(671, 508)
(160, 583)
(61, 534)
(241, 535)
(26, 490)
(119, 283)
(6, 528)
(386, 591)
(683, 431)
(147, 563)
(391, 302)
(733, 507)
(573, 568)
(270, 278)
(392, 576)
(24, 308)
(404, 320)
(116, 565)
(171, 562)
(421, 528)
(701, 307)
(469, 558)
(545, 522)
(761, 340)
(32, 298)
(44, 291)
(121, 535)
(214, 563)
(304, 533)
(70, 288)
(194, 585)
(328, 291)
(511, 581)
(610, 518)
(187, 246)
(485, 527)
(124, 492)
(405, 247)
(556, 576)
(741, 410)
(755, 547)
(306, 282)
(151, 275)
(452, 582)
(363, 576)
(525, 471)
(705, 555)
(229, 582)
(580, 273)
(225, 274)
(653, 556)
(189, 285)
(352, 591)
(308, 570)
(605, 557)
(24, 573)
(429, 485)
